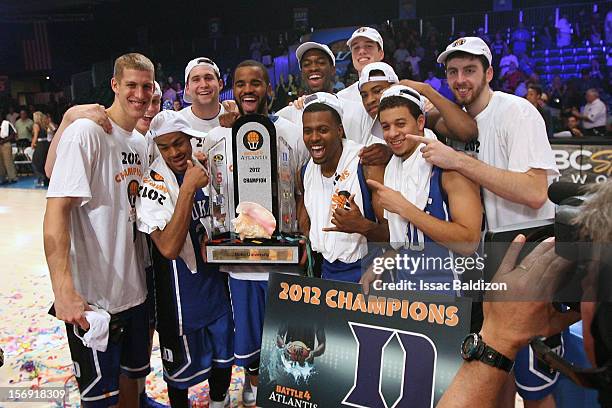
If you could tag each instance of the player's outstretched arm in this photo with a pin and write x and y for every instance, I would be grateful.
(528, 188)
(69, 305)
(94, 112)
(171, 239)
(449, 120)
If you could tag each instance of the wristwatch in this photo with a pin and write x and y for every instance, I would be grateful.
(474, 348)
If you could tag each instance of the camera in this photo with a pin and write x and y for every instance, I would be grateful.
(582, 228)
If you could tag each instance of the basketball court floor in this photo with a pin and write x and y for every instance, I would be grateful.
(35, 349)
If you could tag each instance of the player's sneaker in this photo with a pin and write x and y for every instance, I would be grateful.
(249, 395)
(220, 404)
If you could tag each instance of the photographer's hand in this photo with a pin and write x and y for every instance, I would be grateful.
(525, 309)
(511, 319)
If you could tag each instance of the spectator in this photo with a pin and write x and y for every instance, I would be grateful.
(526, 64)
(506, 60)
(159, 73)
(281, 45)
(176, 105)
(593, 114)
(571, 99)
(400, 56)
(24, 126)
(546, 33)
(572, 129)
(266, 52)
(169, 93)
(582, 26)
(512, 78)
(12, 116)
(227, 78)
(556, 92)
(534, 96)
(178, 87)
(418, 48)
(40, 144)
(255, 49)
(587, 82)
(497, 47)
(292, 89)
(595, 29)
(521, 89)
(280, 95)
(435, 83)
(521, 37)
(595, 72)
(564, 32)
(339, 85)
(481, 33)
(414, 61)
(8, 174)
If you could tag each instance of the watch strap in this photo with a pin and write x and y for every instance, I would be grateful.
(496, 359)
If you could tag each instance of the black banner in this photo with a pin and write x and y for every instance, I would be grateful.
(325, 344)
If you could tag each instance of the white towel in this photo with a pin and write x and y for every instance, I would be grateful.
(96, 337)
(156, 213)
(411, 178)
(320, 205)
(4, 129)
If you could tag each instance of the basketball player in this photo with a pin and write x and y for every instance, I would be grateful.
(196, 338)
(203, 83)
(511, 160)
(366, 45)
(97, 113)
(336, 211)
(89, 237)
(318, 67)
(442, 115)
(248, 285)
(431, 213)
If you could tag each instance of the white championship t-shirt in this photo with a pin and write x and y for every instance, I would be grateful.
(351, 93)
(105, 172)
(512, 136)
(292, 134)
(202, 125)
(355, 121)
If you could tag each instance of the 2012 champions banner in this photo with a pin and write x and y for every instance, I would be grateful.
(326, 344)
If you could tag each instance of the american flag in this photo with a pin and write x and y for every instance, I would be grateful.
(36, 53)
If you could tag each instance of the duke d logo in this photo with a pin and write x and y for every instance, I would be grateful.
(419, 356)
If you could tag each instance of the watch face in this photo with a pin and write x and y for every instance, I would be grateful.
(469, 347)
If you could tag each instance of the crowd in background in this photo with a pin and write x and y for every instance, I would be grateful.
(563, 103)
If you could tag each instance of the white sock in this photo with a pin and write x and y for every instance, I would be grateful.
(254, 388)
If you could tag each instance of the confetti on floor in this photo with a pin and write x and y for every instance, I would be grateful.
(35, 348)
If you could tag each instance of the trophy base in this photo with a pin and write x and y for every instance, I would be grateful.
(277, 250)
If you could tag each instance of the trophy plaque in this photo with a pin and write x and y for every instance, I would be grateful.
(261, 227)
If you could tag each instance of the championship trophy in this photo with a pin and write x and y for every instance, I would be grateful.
(254, 216)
